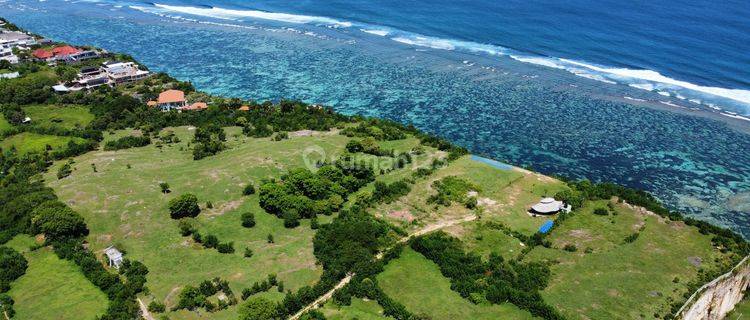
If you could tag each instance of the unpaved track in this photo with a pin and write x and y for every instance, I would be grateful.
(427, 229)
(144, 311)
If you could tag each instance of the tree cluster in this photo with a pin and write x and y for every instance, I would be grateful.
(209, 140)
(192, 298)
(260, 286)
(495, 280)
(451, 189)
(127, 142)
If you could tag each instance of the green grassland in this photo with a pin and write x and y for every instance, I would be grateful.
(620, 280)
(359, 309)
(66, 117)
(417, 283)
(741, 311)
(124, 207)
(4, 124)
(26, 142)
(53, 288)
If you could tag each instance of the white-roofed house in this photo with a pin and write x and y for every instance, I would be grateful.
(549, 206)
(114, 256)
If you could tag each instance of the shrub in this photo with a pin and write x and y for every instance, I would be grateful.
(631, 238)
(183, 206)
(248, 219)
(211, 241)
(227, 247)
(127, 142)
(248, 253)
(186, 228)
(164, 187)
(248, 189)
(156, 307)
(269, 238)
(570, 247)
(209, 205)
(12, 266)
(601, 212)
(64, 171)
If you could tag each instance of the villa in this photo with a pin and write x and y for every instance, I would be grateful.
(171, 100)
(549, 206)
(124, 72)
(12, 39)
(57, 53)
(198, 106)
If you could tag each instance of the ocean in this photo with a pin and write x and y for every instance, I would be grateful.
(650, 94)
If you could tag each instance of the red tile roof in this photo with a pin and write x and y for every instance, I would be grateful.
(171, 96)
(196, 106)
(58, 51)
(244, 108)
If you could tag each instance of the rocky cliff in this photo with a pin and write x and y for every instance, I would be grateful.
(715, 299)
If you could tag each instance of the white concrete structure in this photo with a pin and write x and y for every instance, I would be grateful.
(124, 72)
(114, 256)
(549, 206)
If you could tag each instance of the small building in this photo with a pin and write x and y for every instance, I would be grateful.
(548, 206)
(114, 256)
(197, 106)
(171, 100)
(244, 108)
(14, 38)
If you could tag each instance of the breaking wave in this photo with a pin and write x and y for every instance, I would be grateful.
(643, 79)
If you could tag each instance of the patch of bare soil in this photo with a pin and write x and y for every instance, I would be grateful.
(224, 208)
(402, 215)
(695, 261)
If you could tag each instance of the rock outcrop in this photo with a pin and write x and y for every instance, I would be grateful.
(715, 299)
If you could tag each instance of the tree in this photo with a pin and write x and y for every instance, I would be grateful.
(211, 241)
(258, 308)
(183, 206)
(57, 221)
(164, 187)
(248, 219)
(12, 266)
(64, 171)
(249, 189)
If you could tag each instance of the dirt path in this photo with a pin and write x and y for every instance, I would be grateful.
(427, 229)
(144, 311)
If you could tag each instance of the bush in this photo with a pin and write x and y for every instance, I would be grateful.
(164, 187)
(186, 228)
(631, 238)
(248, 253)
(211, 241)
(183, 206)
(570, 247)
(127, 142)
(270, 238)
(156, 307)
(601, 212)
(64, 171)
(227, 247)
(248, 219)
(248, 189)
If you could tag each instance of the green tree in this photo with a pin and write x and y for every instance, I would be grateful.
(164, 187)
(58, 221)
(248, 219)
(258, 308)
(183, 206)
(12, 266)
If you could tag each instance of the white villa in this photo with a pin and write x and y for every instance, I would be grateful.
(114, 256)
(124, 72)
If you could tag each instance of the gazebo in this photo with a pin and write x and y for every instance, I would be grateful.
(549, 206)
(114, 256)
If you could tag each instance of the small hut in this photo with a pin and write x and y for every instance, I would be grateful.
(548, 206)
(114, 256)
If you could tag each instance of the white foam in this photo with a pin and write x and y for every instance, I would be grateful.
(230, 14)
(634, 99)
(377, 32)
(542, 61)
(434, 43)
(653, 76)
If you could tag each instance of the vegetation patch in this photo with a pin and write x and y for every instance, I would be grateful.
(26, 142)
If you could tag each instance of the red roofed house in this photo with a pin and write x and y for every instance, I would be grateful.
(195, 107)
(244, 108)
(56, 53)
(171, 99)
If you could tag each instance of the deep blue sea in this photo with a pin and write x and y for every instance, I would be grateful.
(651, 94)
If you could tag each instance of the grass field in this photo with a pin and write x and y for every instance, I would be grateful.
(741, 311)
(4, 124)
(124, 207)
(67, 117)
(53, 288)
(417, 283)
(26, 142)
(619, 280)
(359, 309)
